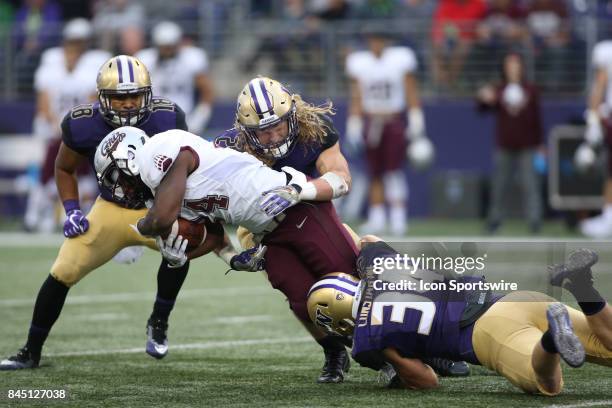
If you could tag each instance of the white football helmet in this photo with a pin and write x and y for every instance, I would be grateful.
(117, 170)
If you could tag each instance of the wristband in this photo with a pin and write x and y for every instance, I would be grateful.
(227, 253)
(337, 183)
(70, 205)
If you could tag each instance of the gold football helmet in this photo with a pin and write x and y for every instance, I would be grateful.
(331, 301)
(121, 77)
(264, 103)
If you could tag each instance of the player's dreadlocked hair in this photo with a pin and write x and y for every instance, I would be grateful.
(312, 127)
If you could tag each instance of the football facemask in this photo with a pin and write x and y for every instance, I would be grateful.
(124, 76)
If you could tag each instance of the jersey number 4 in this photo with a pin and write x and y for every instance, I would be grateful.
(208, 204)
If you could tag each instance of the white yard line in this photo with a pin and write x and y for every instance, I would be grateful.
(143, 296)
(602, 403)
(190, 346)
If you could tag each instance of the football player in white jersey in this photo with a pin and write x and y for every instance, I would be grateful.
(65, 78)
(190, 177)
(177, 71)
(383, 96)
(598, 131)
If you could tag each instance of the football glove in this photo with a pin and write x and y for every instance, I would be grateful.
(173, 250)
(277, 200)
(75, 224)
(251, 260)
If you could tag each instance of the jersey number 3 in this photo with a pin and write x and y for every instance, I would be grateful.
(420, 303)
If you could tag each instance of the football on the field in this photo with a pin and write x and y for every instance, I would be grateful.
(194, 232)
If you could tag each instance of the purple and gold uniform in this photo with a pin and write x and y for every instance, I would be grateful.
(308, 228)
(497, 332)
(82, 130)
(303, 157)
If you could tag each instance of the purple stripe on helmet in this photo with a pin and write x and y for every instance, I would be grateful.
(332, 286)
(254, 97)
(270, 108)
(350, 282)
(131, 69)
(120, 70)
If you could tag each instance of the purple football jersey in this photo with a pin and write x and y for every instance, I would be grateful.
(84, 127)
(418, 323)
(303, 157)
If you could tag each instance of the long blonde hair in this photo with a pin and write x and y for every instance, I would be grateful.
(312, 128)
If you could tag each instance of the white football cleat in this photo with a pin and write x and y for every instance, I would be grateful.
(597, 227)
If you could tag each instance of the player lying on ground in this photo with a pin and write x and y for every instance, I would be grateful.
(190, 177)
(522, 335)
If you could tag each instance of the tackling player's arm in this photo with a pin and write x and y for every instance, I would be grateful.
(168, 197)
(598, 89)
(336, 179)
(412, 372)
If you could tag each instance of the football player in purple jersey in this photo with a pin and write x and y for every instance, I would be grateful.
(124, 98)
(285, 132)
(522, 335)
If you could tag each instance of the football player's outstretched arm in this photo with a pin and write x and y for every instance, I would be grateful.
(168, 197)
(413, 373)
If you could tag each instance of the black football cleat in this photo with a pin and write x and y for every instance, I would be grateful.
(157, 339)
(577, 269)
(448, 368)
(337, 363)
(568, 344)
(22, 360)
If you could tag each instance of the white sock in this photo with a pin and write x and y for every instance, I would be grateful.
(376, 215)
(397, 219)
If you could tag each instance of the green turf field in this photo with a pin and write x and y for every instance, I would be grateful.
(232, 342)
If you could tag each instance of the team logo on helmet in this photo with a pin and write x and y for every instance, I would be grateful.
(112, 143)
(162, 162)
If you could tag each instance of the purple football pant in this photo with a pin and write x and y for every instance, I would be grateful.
(309, 243)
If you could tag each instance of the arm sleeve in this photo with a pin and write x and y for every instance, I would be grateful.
(67, 135)
(331, 136)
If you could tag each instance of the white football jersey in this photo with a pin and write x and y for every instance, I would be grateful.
(174, 78)
(226, 185)
(67, 89)
(381, 80)
(602, 59)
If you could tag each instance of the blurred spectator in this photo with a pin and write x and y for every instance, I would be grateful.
(292, 53)
(383, 96)
(501, 30)
(453, 32)
(72, 9)
(178, 72)
(331, 10)
(119, 24)
(549, 25)
(65, 78)
(35, 28)
(518, 139)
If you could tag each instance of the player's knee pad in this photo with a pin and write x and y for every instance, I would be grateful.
(396, 186)
(66, 273)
